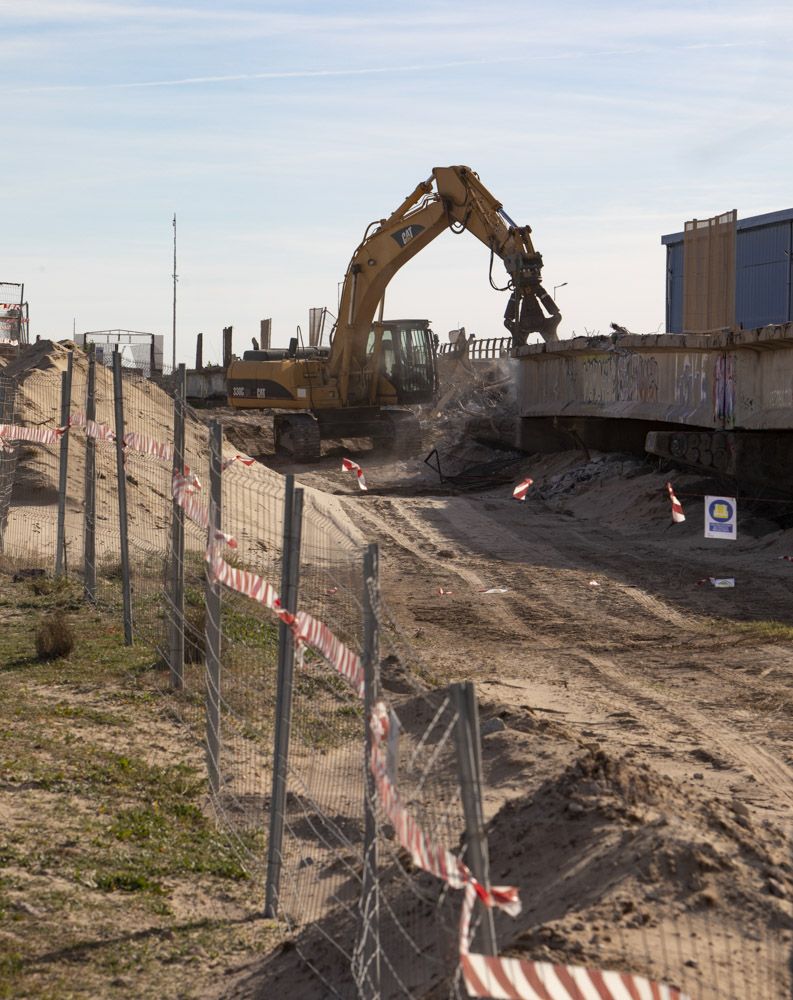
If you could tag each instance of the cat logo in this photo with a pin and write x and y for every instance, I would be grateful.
(404, 236)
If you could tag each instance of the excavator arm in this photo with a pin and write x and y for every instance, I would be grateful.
(451, 198)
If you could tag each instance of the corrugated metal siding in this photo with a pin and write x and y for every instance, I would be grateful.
(763, 279)
(674, 287)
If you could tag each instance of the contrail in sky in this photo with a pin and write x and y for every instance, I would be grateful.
(272, 75)
(298, 74)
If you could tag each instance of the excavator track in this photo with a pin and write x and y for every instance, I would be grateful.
(298, 435)
(402, 433)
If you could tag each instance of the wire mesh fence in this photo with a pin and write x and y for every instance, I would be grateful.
(364, 917)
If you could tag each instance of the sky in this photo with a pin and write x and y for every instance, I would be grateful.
(278, 131)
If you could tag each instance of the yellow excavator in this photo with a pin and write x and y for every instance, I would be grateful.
(355, 387)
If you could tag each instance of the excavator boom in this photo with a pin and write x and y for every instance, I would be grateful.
(451, 198)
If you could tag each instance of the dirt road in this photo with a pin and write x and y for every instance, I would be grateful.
(607, 626)
(607, 643)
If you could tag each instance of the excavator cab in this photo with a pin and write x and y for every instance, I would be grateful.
(403, 352)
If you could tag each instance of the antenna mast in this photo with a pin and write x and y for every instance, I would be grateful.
(174, 291)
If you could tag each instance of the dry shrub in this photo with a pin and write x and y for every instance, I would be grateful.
(54, 638)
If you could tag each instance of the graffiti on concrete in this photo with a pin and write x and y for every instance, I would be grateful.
(619, 378)
(724, 390)
(691, 383)
(780, 398)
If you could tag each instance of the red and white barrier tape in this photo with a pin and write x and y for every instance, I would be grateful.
(308, 630)
(244, 459)
(101, 432)
(145, 445)
(347, 465)
(430, 857)
(184, 489)
(520, 491)
(511, 978)
(677, 508)
(41, 435)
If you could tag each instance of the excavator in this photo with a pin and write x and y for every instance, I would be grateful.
(355, 387)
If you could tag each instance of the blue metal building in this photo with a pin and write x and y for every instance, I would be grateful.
(763, 286)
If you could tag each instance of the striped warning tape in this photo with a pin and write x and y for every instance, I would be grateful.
(425, 854)
(677, 508)
(184, 489)
(101, 432)
(244, 459)
(312, 632)
(520, 491)
(145, 445)
(40, 435)
(347, 465)
(521, 979)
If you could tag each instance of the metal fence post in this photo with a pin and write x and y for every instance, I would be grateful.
(8, 460)
(290, 579)
(89, 533)
(63, 467)
(121, 475)
(469, 760)
(212, 626)
(369, 907)
(176, 639)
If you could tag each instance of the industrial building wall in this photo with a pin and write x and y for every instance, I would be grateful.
(763, 275)
(674, 287)
(763, 289)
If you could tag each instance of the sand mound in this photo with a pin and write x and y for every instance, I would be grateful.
(252, 498)
(620, 866)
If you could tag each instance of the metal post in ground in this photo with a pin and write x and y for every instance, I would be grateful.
(7, 460)
(63, 467)
(176, 637)
(89, 533)
(469, 762)
(121, 476)
(290, 579)
(369, 907)
(212, 626)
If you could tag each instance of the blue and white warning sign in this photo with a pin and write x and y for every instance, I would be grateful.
(721, 517)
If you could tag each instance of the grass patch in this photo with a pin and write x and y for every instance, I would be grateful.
(174, 837)
(251, 630)
(766, 631)
(127, 881)
(107, 833)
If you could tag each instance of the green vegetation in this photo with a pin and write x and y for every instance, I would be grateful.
(252, 630)
(766, 631)
(115, 873)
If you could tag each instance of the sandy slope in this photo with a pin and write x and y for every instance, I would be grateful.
(641, 792)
